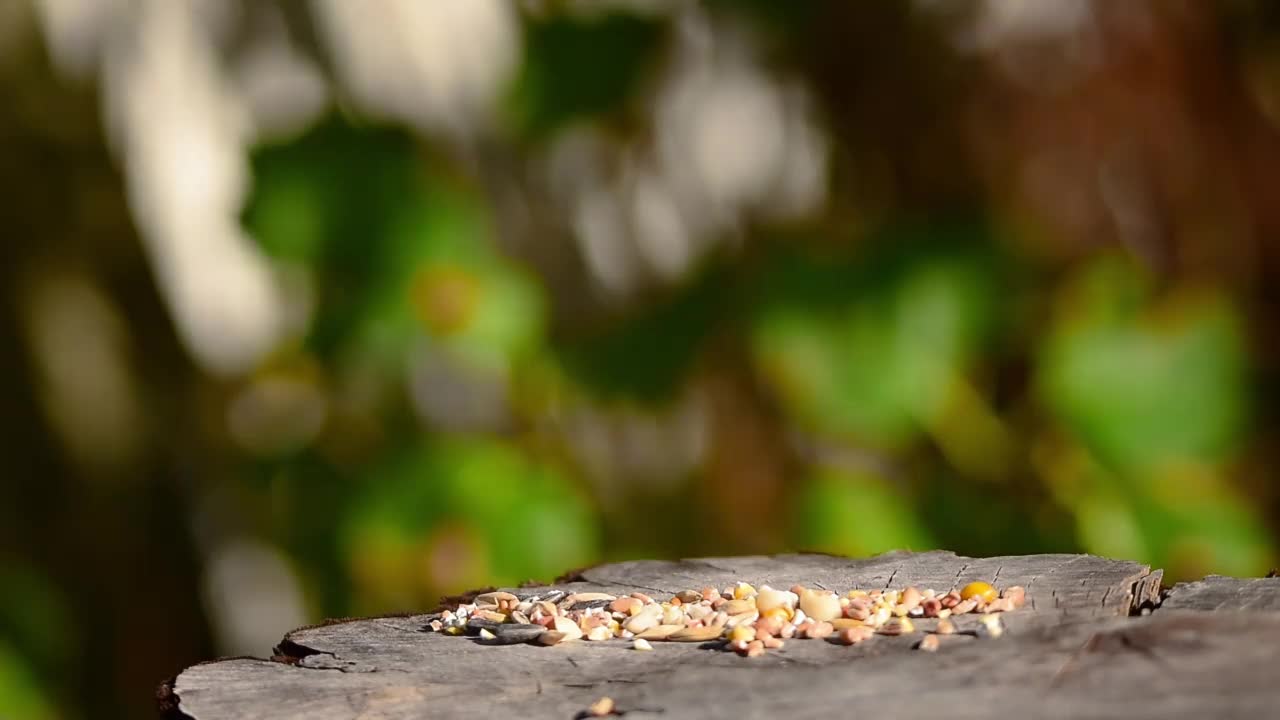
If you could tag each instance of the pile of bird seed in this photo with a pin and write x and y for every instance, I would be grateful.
(745, 620)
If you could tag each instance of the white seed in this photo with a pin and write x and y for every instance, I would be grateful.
(992, 626)
(820, 605)
(641, 644)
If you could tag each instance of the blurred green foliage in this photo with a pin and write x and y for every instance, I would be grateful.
(933, 358)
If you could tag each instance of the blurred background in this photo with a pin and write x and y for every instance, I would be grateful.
(324, 308)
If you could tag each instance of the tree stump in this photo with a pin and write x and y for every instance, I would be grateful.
(1096, 638)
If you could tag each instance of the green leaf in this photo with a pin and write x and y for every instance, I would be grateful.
(867, 348)
(855, 514)
(515, 518)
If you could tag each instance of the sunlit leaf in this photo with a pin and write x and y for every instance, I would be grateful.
(515, 517)
(855, 514)
(868, 349)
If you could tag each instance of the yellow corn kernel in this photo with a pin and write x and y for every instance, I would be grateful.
(982, 591)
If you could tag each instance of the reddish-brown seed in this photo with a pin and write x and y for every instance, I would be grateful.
(928, 643)
(931, 606)
(626, 605)
(819, 631)
(854, 635)
(772, 643)
(755, 648)
(769, 625)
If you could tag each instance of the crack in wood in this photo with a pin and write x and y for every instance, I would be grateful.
(891, 577)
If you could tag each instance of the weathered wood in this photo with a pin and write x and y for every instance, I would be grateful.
(1075, 650)
(1226, 593)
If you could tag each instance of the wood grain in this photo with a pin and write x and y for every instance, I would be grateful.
(1075, 650)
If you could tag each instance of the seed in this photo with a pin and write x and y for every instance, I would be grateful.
(788, 631)
(897, 626)
(931, 606)
(878, 618)
(642, 598)
(695, 634)
(854, 635)
(781, 614)
(591, 597)
(738, 607)
(698, 612)
(628, 606)
(689, 596)
(999, 605)
(742, 632)
(820, 605)
(769, 624)
(599, 633)
(910, 598)
(819, 631)
(743, 591)
(928, 643)
(768, 599)
(709, 593)
(600, 708)
(945, 627)
(661, 632)
(672, 615)
(649, 616)
(641, 644)
(551, 637)
(489, 615)
(755, 648)
(495, 597)
(965, 606)
(857, 612)
(568, 627)
(991, 626)
(951, 599)
(1016, 595)
(772, 643)
(981, 590)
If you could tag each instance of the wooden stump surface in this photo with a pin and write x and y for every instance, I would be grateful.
(1096, 638)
